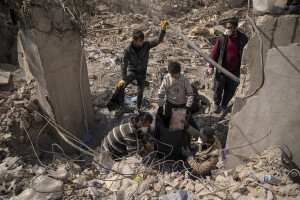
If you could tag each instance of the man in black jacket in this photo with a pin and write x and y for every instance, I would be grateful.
(227, 52)
(136, 56)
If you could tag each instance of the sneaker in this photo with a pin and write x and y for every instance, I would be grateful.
(215, 108)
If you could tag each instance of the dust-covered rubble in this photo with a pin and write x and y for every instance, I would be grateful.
(131, 178)
(109, 29)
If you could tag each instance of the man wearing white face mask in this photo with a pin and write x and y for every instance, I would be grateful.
(124, 139)
(227, 52)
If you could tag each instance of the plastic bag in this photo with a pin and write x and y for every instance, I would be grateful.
(177, 119)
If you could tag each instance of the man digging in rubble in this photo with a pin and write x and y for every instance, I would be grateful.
(136, 56)
(124, 139)
(178, 91)
(206, 157)
(227, 52)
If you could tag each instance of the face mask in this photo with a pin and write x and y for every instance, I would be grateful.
(144, 129)
(228, 32)
(199, 141)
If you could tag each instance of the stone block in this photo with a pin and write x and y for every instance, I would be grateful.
(4, 77)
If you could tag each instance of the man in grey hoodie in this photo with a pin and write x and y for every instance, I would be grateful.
(178, 91)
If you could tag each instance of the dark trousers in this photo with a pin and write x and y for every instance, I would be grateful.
(224, 86)
(141, 79)
(168, 113)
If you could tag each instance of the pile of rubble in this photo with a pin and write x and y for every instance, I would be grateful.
(130, 178)
(109, 34)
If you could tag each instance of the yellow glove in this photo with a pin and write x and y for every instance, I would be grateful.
(164, 25)
(121, 83)
(148, 147)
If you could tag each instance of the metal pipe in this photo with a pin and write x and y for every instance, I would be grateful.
(206, 57)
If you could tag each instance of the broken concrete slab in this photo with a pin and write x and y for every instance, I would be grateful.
(275, 32)
(272, 117)
(4, 77)
(58, 65)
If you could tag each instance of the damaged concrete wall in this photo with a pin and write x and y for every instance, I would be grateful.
(270, 116)
(53, 54)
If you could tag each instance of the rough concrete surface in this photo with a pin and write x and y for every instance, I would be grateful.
(275, 32)
(54, 59)
(272, 117)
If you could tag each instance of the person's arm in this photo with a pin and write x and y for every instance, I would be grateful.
(189, 93)
(131, 142)
(125, 64)
(162, 93)
(203, 167)
(215, 52)
(157, 41)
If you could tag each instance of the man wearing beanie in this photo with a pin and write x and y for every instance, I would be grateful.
(206, 158)
(227, 52)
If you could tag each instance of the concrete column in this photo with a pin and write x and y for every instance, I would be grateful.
(52, 49)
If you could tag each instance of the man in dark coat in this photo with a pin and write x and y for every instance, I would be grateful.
(135, 61)
(227, 52)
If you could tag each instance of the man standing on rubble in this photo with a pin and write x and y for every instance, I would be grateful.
(207, 155)
(136, 56)
(227, 52)
(124, 139)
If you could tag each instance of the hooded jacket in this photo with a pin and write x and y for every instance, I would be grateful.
(178, 91)
(138, 62)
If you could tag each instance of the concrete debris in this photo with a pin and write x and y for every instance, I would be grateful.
(4, 77)
(57, 176)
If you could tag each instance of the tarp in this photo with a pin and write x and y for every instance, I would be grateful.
(261, 7)
(176, 139)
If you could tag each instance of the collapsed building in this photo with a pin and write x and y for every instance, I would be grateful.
(70, 72)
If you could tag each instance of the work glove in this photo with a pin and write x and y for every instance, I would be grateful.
(186, 152)
(122, 83)
(164, 25)
(148, 147)
(160, 111)
(188, 113)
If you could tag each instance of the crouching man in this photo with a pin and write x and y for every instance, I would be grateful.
(206, 157)
(124, 139)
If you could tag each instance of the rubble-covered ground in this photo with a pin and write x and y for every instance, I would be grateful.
(32, 165)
